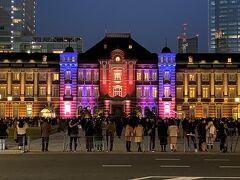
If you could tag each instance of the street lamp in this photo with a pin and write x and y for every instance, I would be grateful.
(9, 98)
(237, 100)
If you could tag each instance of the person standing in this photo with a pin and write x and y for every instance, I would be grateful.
(128, 136)
(173, 134)
(110, 132)
(162, 133)
(22, 127)
(73, 133)
(139, 133)
(211, 134)
(45, 133)
(3, 134)
(98, 134)
(89, 131)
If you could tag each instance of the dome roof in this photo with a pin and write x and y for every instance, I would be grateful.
(69, 49)
(166, 50)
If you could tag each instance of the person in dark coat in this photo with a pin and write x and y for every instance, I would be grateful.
(190, 134)
(3, 134)
(201, 128)
(162, 133)
(110, 132)
(222, 135)
(73, 133)
(45, 133)
(98, 134)
(89, 132)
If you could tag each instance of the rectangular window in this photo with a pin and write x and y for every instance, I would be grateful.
(16, 76)
(192, 92)
(29, 76)
(117, 91)
(146, 92)
(154, 92)
(205, 92)
(179, 92)
(42, 91)
(42, 77)
(166, 76)
(218, 77)
(55, 77)
(192, 77)
(67, 91)
(29, 91)
(117, 76)
(139, 92)
(3, 76)
(88, 76)
(2, 110)
(88, 91)
(205, 77)
(139, 76)
(232, 92)
(68, 75)
(96, 76)
(3, 91)
(146, 76)
(15, 91)
(218, 92)
(55, 91)
(96, 92)
(80, 76)
(205, 111)
(29, 110)
(80, 91)
(232, 77)
(154, 76)
(166, 92)
(179, 77)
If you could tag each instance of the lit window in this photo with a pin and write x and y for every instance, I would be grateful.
(88, 91)
(146, 76)
(117, 76)
(3, 76)
(166, 109)
(232, 92)
(80, 90)
(218, 77)
(29, 76)
(55, 91)
(55, 77)
(192, 92)
(166, 91)
(80, 76)
(139, 93)
(130, 46)
(2, 91)
(29, 110)
(68, 91)
(29, 91)
(42, 77)
(154, 76)
(96, 75)
(117, 91)
(218, 92)
(154, 89)
(179, 77)
(166, 76)
(42, 91)
(16, 91)
(230, 59)
(146, 92)
(192, 77)
(232, 77)
(68, 75)
(205, 92)
(88, 76)
(117, 59)
(67, 108)
(179, 92)
(139, 76)
(17, 21)
(16, 76)
(205, 77)
(96, 92)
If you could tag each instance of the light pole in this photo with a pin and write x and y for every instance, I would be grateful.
(9, 98)
(237, 100)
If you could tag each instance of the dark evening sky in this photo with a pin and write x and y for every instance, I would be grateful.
(149, 21)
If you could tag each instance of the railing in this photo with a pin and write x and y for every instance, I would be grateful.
(61, 142)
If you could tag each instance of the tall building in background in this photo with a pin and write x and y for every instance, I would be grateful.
(186, 44)
(224, 26)
(18, 20)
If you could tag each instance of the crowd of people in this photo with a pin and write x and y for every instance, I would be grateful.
(201, 133)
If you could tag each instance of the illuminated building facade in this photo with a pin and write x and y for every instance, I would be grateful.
(207, 85)
(118, 76)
